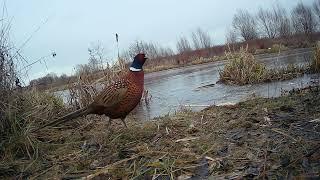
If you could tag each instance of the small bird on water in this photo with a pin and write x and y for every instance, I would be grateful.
(116, 100)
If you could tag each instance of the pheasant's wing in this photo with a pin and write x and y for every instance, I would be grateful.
(112, 94)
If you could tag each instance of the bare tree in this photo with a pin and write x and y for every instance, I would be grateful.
(183, 45)
(135, 48)
(96, 57)
(231, 36)
(165, 51)
(268, 22)
(316, 8)
(195, 42)
(245, 24)
(82, 69)
(201, 39)
(283, 24)
(303, 19)
(151, 49)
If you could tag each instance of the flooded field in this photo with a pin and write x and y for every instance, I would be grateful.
(196, 86)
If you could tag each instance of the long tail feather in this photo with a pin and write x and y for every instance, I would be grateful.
(68, 117)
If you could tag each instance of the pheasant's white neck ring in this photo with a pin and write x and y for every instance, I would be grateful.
(134, 69)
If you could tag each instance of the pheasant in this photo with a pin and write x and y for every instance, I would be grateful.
(116, 100)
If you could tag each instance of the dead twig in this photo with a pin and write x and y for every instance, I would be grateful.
(187, 139)
(303, 156)
(104, 170)
(283, 133)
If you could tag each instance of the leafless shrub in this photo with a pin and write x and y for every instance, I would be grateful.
(165, 51)
(268, 22)
(245, 24)
(303, 19)
(284, 28)
(183, 45)
(97, 57)
(83, 91)
(316, 8)
(231, 36)
(201, 39)
(7, 69)
(153, 50)
(8, 75)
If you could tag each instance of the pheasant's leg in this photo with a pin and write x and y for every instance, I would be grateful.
(124, 122)
(109, 124)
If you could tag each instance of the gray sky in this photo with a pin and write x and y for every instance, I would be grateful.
(68, 27)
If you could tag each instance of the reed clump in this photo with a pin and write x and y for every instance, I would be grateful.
(83, 91)
(315, 64)
(242, 68)
(21, 112)
(287, 72)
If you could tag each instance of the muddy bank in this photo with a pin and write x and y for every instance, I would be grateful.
(275, 138)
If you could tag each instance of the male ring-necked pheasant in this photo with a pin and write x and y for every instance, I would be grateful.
(116, 100)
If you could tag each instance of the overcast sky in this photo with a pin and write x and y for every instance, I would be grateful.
(69, 27)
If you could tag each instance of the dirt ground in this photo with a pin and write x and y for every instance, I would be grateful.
(258, 138)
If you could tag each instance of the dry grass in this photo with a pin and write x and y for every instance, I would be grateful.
(275, 48)
(202, 60)
(289, 72)
(242, 68)
(227, 139)
(224, 138)
(83, 91)
(167, 147)
(315, 64)
(20, 111)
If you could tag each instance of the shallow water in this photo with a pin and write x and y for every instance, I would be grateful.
(196, 86)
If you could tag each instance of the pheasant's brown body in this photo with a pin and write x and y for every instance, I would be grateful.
(129, 92)
(118, 99)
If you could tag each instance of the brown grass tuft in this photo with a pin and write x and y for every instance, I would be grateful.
(315, 64)
(242, 68)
